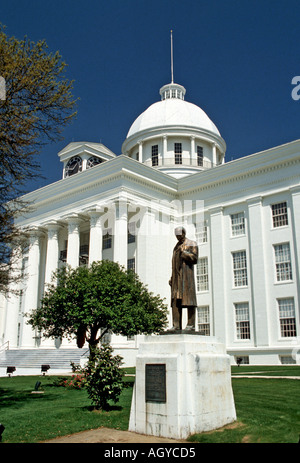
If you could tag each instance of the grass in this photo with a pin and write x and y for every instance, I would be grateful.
(59, 411)
(267, 409)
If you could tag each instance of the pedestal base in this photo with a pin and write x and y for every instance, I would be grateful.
(182, 386)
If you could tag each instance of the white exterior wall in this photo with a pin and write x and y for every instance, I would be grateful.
(248, 185)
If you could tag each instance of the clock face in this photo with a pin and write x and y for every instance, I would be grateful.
(93, 161)
(73, 166)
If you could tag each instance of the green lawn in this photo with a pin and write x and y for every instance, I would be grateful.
(59, 411)
(268, 410)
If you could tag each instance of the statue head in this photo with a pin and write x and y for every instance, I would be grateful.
(180, 233)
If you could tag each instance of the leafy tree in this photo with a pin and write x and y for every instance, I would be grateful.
(87, 302)
(36, 107)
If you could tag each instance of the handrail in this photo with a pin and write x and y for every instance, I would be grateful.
(4, 346)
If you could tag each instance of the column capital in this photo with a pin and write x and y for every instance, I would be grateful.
(257, 200)
(52, 224)
(218, 210)
(53, 227)
(34, 234)
(295, 190)
(73, 217)
(73, 221)
(95, 208)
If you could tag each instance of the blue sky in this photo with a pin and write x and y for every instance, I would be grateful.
(236, 60)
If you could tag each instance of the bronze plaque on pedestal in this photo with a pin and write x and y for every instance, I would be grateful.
(155, 382)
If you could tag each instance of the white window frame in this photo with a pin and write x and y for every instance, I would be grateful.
(242, 321)
(178, 153)
(154, 155)
(200, 157)
(240, 273)
(131, 264)
(279, 214)
(204, 320)
(107, 235)
(287, 317)
(202, 274)
(238, 224)
(131, 232)
(283, 264)
(201, 232)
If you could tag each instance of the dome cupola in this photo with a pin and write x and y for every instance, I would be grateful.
(175, 136)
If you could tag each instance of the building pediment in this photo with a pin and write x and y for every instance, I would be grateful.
(86, 148)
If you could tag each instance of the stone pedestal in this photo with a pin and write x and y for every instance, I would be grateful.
(182, 386)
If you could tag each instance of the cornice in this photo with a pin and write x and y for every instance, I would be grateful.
(243, 168)
(122, 172)
(122, 168)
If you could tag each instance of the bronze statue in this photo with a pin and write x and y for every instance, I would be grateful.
(182, 282)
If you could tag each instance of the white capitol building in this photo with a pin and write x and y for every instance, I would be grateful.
(244, 214)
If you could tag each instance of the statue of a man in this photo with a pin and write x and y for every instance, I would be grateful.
(182, 282)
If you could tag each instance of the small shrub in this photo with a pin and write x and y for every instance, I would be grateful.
(104, 378)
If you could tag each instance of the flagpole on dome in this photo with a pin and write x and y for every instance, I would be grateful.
(172, 77)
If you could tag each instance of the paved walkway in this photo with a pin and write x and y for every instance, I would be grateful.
(113, 436)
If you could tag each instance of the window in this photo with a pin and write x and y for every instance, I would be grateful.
(242, 320)
(178, 153)
(201, 232)
(107, 239)
(283, 262)
(203, 320)
(131, 232)
(155, 155)
(237, 224)
(202, 274)
(279, 215)
(287, 318)
(200, 156)
(240, 268)
(131, 264)
(287, 360)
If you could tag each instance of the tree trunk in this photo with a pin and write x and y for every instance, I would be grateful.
(93, 344)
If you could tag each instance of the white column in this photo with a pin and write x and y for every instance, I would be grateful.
(140, 159)
(193, 156)
(165, 149)
(32, 286)
(121, 233)
(95, 246)
(295, 213)
(143, 240)
(259, 274)
(218, 272)
(13, 304)
(73, 240)
(214, 155)
(52, 250)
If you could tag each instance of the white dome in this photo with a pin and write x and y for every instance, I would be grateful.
(172, 112)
